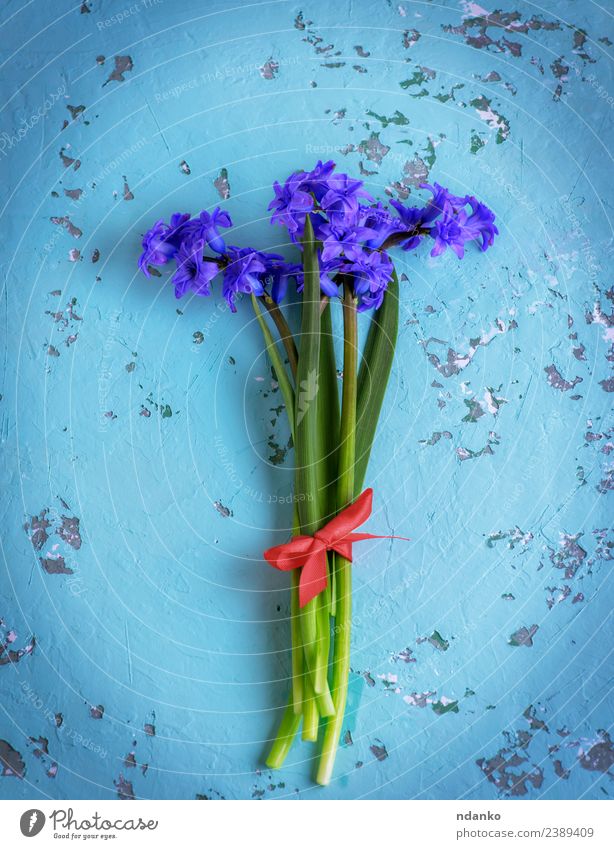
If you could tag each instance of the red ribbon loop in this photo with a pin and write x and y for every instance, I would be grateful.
(309, 552)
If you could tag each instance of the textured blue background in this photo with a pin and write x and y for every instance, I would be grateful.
(146, 462)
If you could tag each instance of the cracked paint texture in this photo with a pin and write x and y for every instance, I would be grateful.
(143, 642)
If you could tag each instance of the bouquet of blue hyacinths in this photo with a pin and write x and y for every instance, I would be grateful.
(342, 239)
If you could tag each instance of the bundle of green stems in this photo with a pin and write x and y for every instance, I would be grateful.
(332, 443)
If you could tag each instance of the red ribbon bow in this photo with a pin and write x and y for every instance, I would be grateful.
(310, 551)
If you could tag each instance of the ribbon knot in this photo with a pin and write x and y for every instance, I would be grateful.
(321, 537)
(309, 552)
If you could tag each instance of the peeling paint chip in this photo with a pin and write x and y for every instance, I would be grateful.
(557, 381)
(222, 185)
(56, 565)
(11, 762)
(124, 788)
(380, 752)
(269, 70)
(600, 757)
(122, 65)
(523, 636)
(223, 511)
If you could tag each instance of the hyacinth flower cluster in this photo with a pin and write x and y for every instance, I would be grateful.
(353, 232)
(341, 238)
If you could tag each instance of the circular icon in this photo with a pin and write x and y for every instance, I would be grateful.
(32, 822)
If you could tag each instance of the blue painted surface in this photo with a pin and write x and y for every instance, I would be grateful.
(150, 450)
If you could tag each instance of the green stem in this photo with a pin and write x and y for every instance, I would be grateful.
(345, 494)
(326, 706)
(298, 658)
(289, 724)
(309, 461)
(285, 334)
(328, 439)
(280, 371)
(285, 735)
(298, 699)
(333, 584)
(310, 712)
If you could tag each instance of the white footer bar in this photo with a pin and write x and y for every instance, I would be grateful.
(309, 824)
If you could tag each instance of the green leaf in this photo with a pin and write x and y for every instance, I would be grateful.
(373, 377)
(328, 412)
(307, 388)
